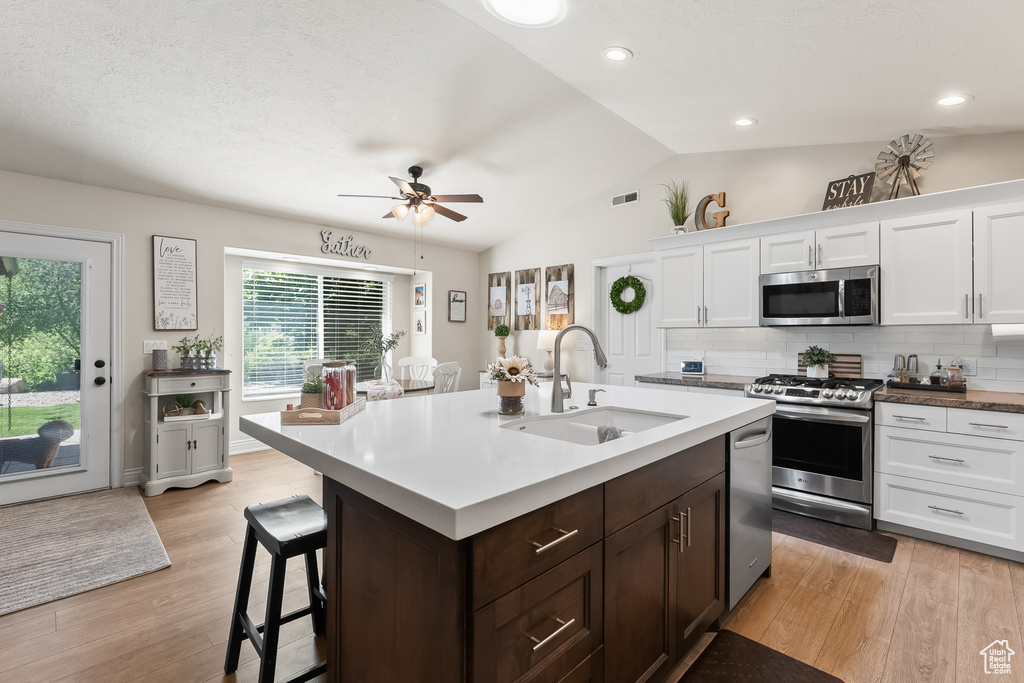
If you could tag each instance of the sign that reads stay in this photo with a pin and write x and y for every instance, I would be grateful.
(849, 191)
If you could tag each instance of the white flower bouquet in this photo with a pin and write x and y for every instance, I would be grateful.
(512, 369)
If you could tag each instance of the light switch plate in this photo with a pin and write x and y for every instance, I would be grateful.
(582, 345)
(150, 344)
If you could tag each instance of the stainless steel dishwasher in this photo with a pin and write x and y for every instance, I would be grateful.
(750, 507)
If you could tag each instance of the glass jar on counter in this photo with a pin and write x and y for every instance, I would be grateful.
(335, 385)
(350, 382)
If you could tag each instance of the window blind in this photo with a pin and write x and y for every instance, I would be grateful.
(289, 316)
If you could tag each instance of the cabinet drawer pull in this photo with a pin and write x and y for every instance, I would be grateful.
(910, 417)
(936, 507)
(982, 424)
(939, 457)
(552, 544)
(683, 519)
(542, 643)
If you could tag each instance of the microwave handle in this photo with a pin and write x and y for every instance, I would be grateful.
(842, 298)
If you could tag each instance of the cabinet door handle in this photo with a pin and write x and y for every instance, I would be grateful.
(982, 424)
(909, 417)
(936, 507)
(552, 544)
(810, 254)
(698, 315)
(684, 523)
(706, 318)
(980, 316)
(541, 643)
(967, 304)
(939, 457)
(188, 445)
(819, 255)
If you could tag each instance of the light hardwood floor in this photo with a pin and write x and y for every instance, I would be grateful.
(924, 617)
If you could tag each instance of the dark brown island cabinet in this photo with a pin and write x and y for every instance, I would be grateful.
(614, 583)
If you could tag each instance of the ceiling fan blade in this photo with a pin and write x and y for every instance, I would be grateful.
(388, 215)
(405, 187)
(448, 213)
(457, 198)
(371, 196)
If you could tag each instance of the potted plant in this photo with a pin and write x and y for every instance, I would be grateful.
(380, 345)
(208, 348)
(186, 348)
(501, 332)
(677, 197)
(312, 389)
(817, 359)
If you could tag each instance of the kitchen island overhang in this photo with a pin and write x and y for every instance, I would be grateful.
(443, 461)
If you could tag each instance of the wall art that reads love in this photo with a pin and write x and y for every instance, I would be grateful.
(174, 284)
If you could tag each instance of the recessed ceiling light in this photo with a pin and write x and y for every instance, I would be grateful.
(744, 122)
(617, 54)
(954, 100)
(528, 13)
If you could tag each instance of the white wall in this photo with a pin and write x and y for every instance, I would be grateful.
(759, 184)
(43, 201)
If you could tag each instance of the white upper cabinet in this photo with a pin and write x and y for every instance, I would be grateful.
(710, 286)
(731, 284)
(839, 247)
(998, 271)
(926, 276)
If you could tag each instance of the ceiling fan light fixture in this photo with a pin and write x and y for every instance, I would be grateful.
(528, 13)
(424, 213)
(400, 212)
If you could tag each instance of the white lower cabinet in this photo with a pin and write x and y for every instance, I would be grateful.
(939, 470)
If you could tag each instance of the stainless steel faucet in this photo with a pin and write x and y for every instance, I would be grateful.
(557, 395)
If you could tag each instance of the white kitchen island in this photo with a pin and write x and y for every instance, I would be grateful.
(461, 551)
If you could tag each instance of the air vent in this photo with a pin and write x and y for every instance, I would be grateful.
(626, 198)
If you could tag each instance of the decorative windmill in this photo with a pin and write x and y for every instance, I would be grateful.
(901, 162)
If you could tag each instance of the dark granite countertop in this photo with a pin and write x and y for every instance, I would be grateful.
(711, 381)
(997, 401)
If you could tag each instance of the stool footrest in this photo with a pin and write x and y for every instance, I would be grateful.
(253, 631)
(309, 674)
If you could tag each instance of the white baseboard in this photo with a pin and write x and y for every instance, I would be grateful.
(132, 477)
(246, 446)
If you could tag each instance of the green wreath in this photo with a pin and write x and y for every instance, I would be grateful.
(640, 293)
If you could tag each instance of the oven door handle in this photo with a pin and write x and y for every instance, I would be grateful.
(755, 440)
(820, 414)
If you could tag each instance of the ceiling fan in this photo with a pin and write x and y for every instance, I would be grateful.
(420, 201)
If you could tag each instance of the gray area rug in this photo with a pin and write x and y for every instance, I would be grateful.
(51, 549)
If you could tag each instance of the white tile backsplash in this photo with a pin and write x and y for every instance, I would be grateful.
(758, 351)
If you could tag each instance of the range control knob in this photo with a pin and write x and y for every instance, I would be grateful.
(778, 389)
(757, 388)
(826, 393)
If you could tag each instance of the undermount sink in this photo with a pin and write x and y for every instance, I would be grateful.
(582, 427)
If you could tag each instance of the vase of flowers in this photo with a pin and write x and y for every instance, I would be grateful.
(381, 344)
(512, 375)
(186, 348)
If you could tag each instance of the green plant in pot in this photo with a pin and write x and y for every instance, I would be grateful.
(817, 360)
(501, 332)
(677, 198)
(312, 389)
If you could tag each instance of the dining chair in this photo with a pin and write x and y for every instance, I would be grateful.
(416, 367)
(446, 377)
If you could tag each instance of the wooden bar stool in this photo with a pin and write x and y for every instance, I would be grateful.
(286, 528)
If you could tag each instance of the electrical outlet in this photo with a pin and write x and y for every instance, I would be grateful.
(582, 345)
(150, 344)
(970, 367)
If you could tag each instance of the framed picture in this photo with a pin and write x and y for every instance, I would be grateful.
(175, 304)
(419, 295)
(527, 316)
(499, 294)
(419, 322)
(559, 296)
(456, 306)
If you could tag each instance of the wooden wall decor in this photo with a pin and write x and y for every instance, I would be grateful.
(851, 191)
(499, 297)
(559, 296)
(700, 222)
(528, 286)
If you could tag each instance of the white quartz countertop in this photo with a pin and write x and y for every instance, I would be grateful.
(442, 460)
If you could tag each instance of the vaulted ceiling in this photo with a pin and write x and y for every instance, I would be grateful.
(277, 106)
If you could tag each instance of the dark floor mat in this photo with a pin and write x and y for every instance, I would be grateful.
(870, 544)
(731, 658)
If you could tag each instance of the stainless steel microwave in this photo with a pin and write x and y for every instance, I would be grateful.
(842, 296)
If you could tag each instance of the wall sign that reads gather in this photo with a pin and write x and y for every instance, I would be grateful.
(343, 246)
(639, 294)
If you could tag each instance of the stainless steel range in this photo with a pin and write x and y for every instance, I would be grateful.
(822, 458)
